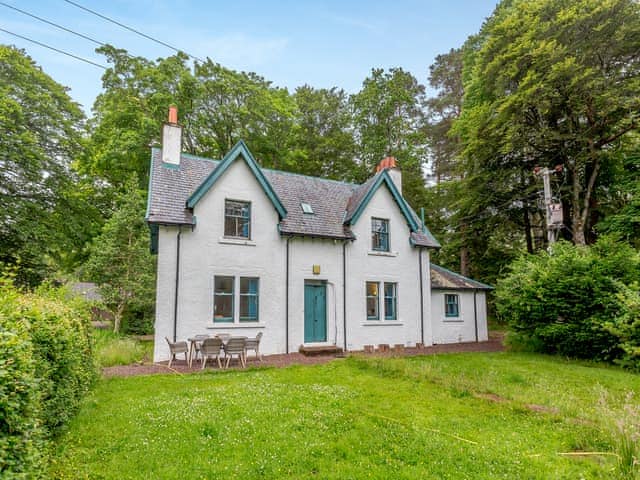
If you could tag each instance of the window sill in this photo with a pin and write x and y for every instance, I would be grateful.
(383, 254)
(226, 326)
(453, 320)
(380, 323)
(237, 241)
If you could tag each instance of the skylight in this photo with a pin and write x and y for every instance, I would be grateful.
(306, 208)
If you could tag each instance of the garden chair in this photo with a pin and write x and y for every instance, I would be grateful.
(254, 344)
(177, 347)
(235, 346)
(211, 348)
(197, 345)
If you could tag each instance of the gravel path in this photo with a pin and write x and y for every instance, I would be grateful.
(180, 367)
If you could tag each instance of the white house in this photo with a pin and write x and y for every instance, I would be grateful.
(307, 261)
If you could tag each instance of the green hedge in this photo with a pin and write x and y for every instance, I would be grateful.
(46, 367)
(574, 301)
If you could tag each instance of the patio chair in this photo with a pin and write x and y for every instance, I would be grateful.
(235, 346)
(197, 345)
(177, 347)
(211, 348)
(254, 344)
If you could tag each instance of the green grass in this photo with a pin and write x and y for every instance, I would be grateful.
(113, 349)
(442, 417)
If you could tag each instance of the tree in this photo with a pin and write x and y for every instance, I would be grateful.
(388, 118)
(120, 261)
(323, 142)
(553, 82)
(43, 218)
(129, 113)
(442, 110)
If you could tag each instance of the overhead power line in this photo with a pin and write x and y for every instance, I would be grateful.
(54, 49)
(137, 32)
(97, 42)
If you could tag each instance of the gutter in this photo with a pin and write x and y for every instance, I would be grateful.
(286, 309)
(175, 297)
(422, 297)
(344, 293)
(475, 313)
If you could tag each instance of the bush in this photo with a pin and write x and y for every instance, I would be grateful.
(46, 367)
(567, 301)
(114, 349)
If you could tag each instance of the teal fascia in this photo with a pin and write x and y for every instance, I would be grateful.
(239, 150)
(404, 207)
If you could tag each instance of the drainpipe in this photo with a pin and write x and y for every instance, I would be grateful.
(475, 313)
(344, 293)
(421, 297)
(175, 298)
(286, 310)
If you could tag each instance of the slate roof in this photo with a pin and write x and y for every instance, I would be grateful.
(443, 279)
(331, 201)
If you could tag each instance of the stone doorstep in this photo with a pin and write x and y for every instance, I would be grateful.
(318, 350)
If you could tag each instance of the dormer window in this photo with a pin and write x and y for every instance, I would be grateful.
(306, 208)
(380, 234)
(237, 219)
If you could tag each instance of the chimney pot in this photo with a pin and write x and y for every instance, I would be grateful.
(173, 114)
(387, 162)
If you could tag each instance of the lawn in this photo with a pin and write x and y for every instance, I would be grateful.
(477, 416)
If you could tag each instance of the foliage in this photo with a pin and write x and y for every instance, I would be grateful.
(45, 217)
(481, 416)
(120, 261)
(626, 325)
(622, 418)
(388, 118)
(551, 82)
(46, 369)
(565, 301)
(113, 349)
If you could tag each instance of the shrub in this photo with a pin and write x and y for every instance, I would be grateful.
(45, 369)
(114, 349)
(565, 300)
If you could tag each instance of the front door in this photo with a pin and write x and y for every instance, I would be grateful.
(315, 312)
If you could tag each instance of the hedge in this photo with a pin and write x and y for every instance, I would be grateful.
(575, 301)
(46, 367)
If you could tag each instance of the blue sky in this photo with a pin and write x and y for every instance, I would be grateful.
(321, 43)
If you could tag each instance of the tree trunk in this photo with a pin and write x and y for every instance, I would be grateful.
(117, 318)
(527, 228)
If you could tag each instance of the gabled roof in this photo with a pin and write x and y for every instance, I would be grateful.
(175, 189)
(239, 150)
(365, 193)
(443, 279)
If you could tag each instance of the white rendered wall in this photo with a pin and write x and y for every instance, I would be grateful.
(303, 254)
(206, 253)
(400, 265)
(462, 328)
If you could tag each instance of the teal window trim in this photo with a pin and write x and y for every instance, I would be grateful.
(380, 234)
(373, 299)
(451, 305)
(222, 294)
(404, 207)
(240, 149)
(390, 301)
(251, 292)
(241, 222)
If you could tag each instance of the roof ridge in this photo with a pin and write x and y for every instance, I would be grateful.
(284, 172)
(460, 275)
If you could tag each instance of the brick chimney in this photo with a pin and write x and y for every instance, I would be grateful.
(171, 138)
(389, 164)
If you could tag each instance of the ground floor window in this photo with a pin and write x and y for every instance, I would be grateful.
(372, 301)
(387, 302)
(390, 301)
(225, 290)
(451, 305)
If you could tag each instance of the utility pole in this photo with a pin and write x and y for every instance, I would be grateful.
(553, 211)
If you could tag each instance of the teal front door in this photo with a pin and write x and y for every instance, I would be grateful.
(315, 312)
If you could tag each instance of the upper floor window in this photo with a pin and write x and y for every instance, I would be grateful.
(380, 234)
(237, 219)
(451, 305)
